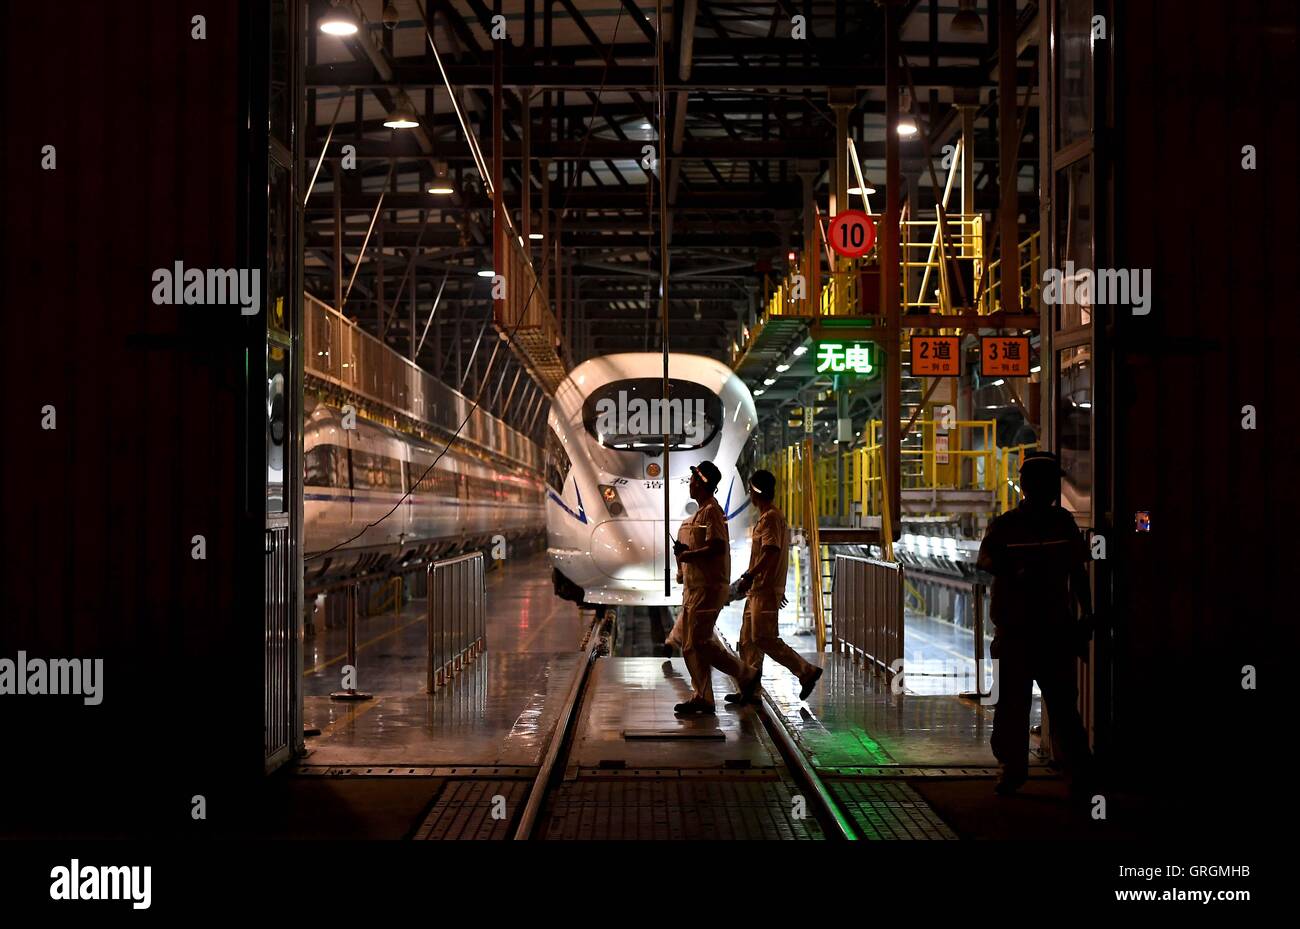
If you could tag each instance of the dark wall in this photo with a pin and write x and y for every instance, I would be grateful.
(151, 130)
(1212, 587)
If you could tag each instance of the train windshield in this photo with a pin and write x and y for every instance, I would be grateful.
(632, 415)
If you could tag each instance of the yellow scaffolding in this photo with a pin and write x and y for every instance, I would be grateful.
(808, 483)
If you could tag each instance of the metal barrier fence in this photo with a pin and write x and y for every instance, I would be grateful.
(457, 616)
(279, 672)
(867, 610)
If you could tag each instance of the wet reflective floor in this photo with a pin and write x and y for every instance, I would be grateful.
(499, 711)
(502, 708)
(628, 719)
(854, 719)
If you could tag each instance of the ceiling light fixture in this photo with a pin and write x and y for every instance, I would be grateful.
(966, 20)
(402, 117)
(906, 122)
(536, 236)
(801, 350)
(759, 392)
(859, 191)
(769, 381)
(339, 21)
(441, 184)
(487, 274)
(781, 369)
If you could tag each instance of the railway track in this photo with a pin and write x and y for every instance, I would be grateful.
(834, 822)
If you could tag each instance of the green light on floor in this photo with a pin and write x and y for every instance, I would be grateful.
(856, 740)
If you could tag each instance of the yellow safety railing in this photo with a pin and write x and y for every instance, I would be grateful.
(849, 486)
(1009, 475)
(841, 294)
(793, 296)
(927, 284)
(1030, 268)
(839, 291)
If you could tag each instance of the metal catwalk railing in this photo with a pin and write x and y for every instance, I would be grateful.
(339, 352)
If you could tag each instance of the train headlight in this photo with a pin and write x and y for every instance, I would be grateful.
(609, 494)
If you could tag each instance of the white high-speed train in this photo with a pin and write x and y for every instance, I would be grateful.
(355, 476)
(604, 471)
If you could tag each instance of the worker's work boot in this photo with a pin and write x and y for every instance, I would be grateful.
(1009, 781)
(809, 682)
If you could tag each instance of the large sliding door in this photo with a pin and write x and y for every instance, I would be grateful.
(1073, 219)
(282, 657)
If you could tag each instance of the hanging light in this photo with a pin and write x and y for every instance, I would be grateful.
(440, 183)
(536, 236)
(402, 117)
(868, 189)
(391, 19)
(966, 20)
(487, 273)
(906, 122)
(340, 21)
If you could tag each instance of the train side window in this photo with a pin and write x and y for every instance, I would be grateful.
(557, 462)
(322, 466)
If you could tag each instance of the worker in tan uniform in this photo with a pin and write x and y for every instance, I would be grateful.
(705, 559)
(764, 582)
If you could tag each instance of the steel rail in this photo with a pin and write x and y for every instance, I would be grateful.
(803, 769)
(563, 734)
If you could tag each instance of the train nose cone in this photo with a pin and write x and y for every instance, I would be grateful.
(629, 549)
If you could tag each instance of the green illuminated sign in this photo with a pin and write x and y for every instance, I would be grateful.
(859, 358)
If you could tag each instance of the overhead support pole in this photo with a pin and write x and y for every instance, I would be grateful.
(663, 281)
(526, 172)
(841, 100)
(685, 58)
(967, 104)
(541, 405)
(1008, 143)
(338, 238)
(808, 172)
(437, 298)
(889, 271)
(499, 224)
(510, 395)
(366, 241)
(548, 267)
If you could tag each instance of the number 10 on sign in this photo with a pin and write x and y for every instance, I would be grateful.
(852, 234)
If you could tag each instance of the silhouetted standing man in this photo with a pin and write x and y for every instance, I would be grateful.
(1036, 555)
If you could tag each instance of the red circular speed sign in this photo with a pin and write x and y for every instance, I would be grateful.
(852, 234)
